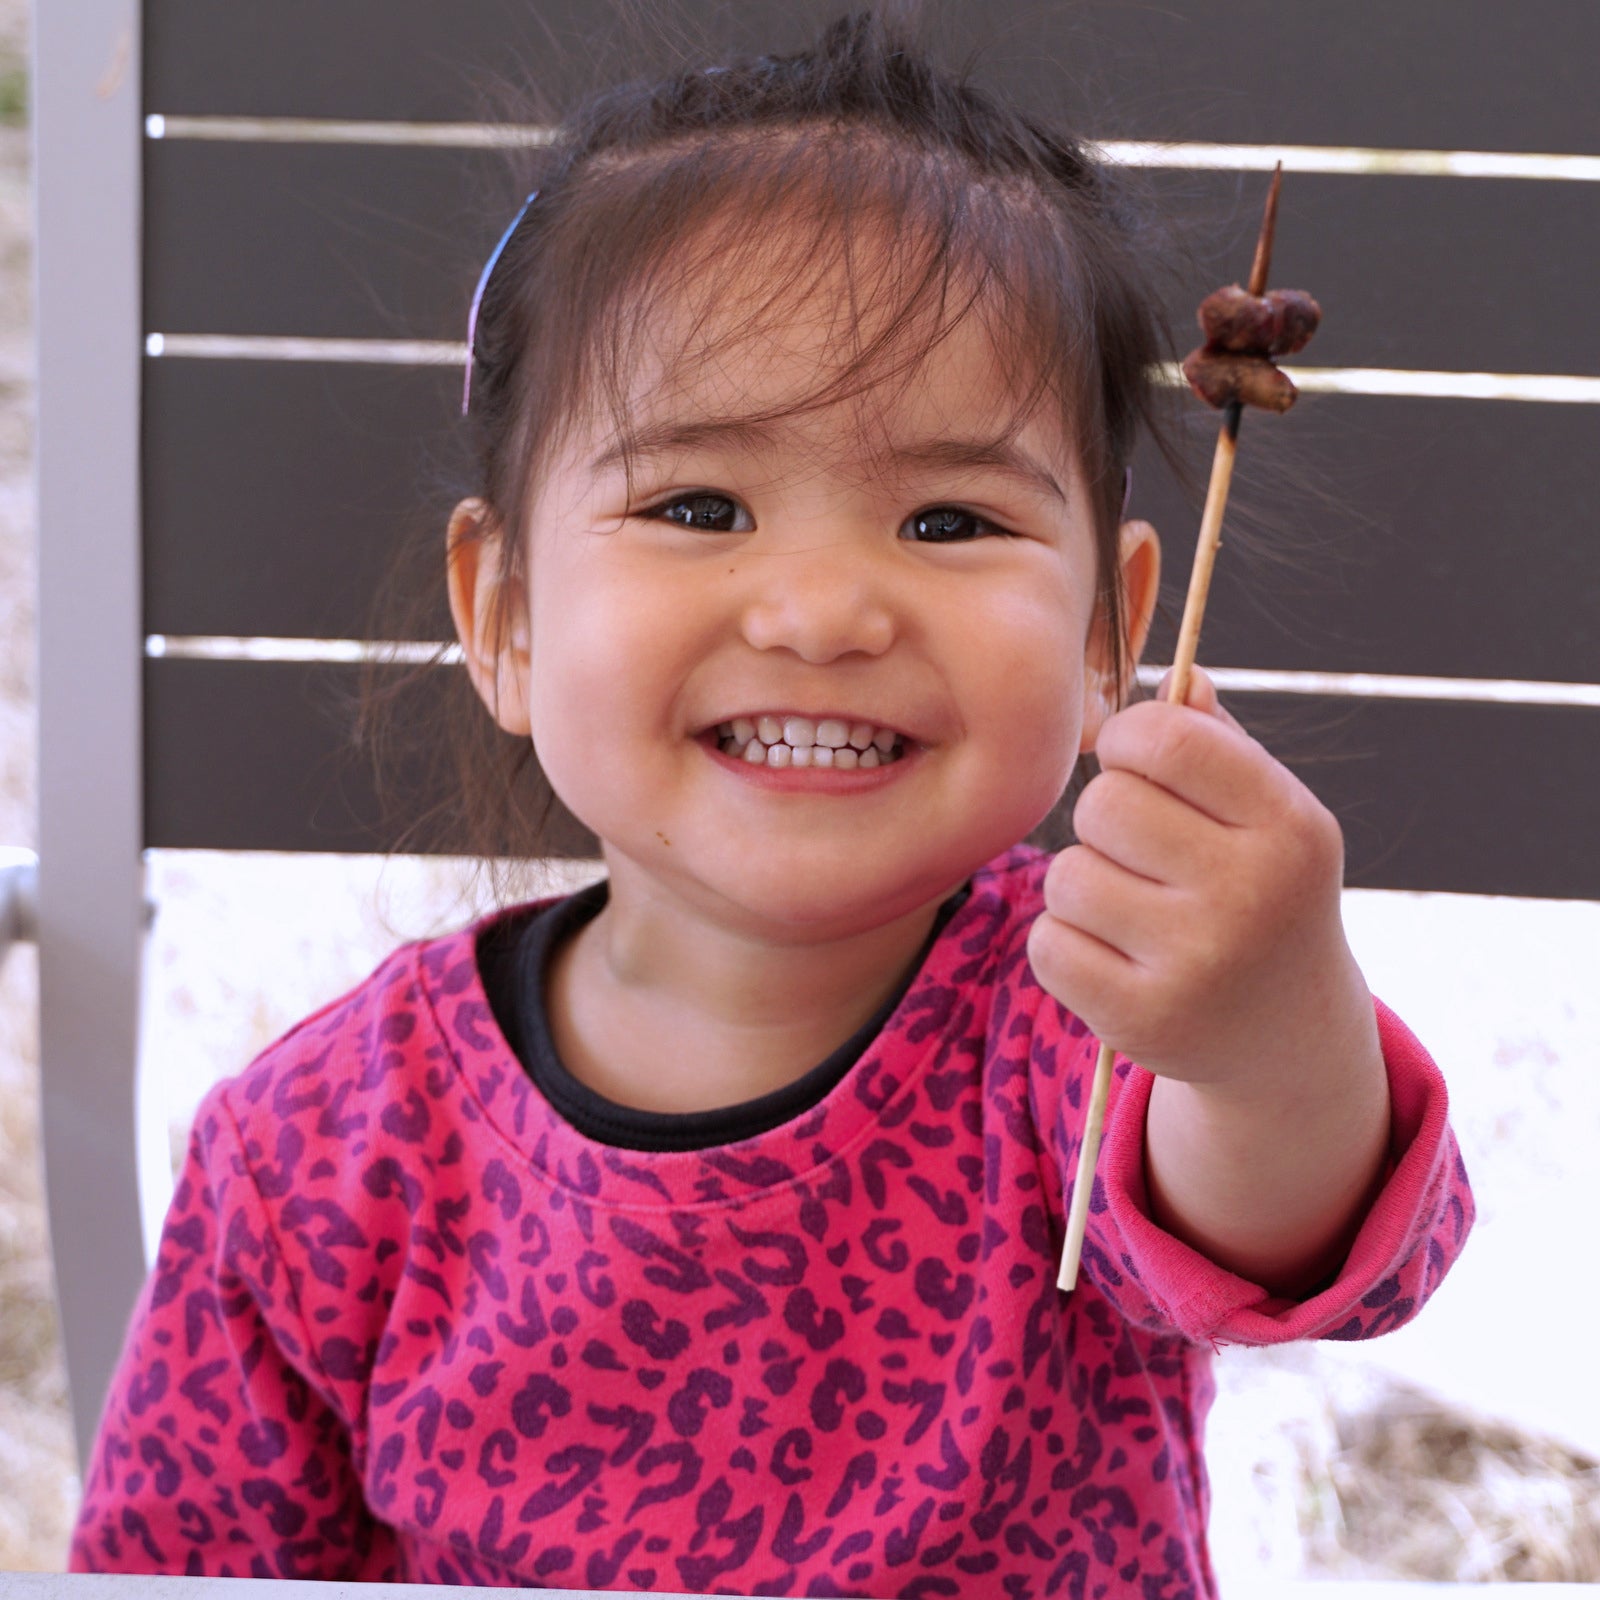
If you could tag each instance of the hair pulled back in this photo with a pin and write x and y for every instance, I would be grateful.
(652, 193)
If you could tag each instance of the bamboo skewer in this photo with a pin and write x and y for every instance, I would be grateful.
(1207, 544)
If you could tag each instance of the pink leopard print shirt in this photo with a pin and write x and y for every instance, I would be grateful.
(407, 1324)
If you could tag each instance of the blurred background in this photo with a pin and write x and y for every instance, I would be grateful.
(1465, 1447)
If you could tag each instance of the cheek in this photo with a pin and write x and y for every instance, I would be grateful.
(607, 652)
(1028, 658)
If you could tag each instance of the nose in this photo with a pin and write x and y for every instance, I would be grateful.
(821, 603)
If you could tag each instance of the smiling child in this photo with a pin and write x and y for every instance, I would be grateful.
(697, 1232)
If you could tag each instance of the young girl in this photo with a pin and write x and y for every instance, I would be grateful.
(699, 1232)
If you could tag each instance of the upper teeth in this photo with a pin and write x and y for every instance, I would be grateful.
(804, 742)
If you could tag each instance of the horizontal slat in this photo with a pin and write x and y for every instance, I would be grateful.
(386, 242)
(1422, 537)
(1427, 73)
(1476, 798)
(1178, 154)
(1149, 674)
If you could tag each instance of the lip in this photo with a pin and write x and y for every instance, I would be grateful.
(811, 780)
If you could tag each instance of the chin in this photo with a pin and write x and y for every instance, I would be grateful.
(801, 897)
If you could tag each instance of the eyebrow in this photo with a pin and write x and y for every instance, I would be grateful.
(668, 437)
(994, 455)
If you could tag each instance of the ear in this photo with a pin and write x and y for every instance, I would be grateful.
(1139, 557)
(491, 615)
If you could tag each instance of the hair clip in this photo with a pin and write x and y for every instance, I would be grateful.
(1127, 483)
(477, 297)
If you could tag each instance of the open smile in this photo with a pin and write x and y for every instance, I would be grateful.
(786, 740)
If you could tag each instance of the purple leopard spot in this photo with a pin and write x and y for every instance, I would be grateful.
(894, 1257)
(821, 1328)
(599, 1355)
(640, 1322)
(679, 1453)
(261, 1443)
(166, 1473)
(539, 1399)
(146, 1388)
(789, 1267)
(843, 1381)
(1382, 1294)
(397, 1027)
(582, 1462)
(939, 1290)
(706, 1389)
(893, 1324)
(341, 1359)
(408, 1121)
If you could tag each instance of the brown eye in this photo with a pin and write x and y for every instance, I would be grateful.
(709, 513)
(946, 525)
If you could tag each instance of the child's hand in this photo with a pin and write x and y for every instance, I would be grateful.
(1196, 924)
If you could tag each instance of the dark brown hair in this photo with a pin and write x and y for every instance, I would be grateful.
(652, 191)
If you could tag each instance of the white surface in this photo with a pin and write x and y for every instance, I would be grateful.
(1506, 995)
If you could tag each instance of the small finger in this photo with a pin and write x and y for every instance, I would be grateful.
(1088, 977)
(1147, 829)
(1200, 696)
(1105, 900)
(1207, 761)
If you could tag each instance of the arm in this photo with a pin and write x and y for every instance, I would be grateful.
(220, 1451)
(1273, 1183)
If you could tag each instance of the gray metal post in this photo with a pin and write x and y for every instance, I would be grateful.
(87, 131)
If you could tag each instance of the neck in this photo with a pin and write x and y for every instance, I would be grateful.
(656, 1007)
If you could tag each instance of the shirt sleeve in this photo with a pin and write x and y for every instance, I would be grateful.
(1412, 1233)
(222, 1451)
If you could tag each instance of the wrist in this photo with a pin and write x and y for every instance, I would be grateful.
(1271, 1173)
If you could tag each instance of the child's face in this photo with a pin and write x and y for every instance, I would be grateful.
(789, 571)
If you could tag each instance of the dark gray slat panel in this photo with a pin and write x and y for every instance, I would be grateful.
(318, 240)
(1477, 799)
(1426, 73)
(282, 498)
(256, 756)
(265, 756)
(1407, 536)
(384, 242)
(1391, 535)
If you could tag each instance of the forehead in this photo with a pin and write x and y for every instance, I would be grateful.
(846, 341)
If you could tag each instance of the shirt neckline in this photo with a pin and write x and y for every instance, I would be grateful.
(515, 980)
(794, 1152)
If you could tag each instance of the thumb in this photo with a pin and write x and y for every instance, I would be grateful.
(1202, 695)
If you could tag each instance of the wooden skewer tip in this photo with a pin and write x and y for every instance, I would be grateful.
(1262, 265)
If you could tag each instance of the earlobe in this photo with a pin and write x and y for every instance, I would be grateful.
(1139, 559)
(491, 615)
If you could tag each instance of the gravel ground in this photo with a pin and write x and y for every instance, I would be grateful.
(1443, 1453)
